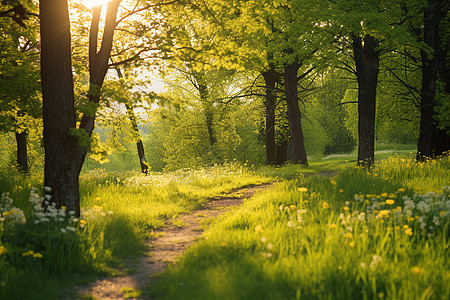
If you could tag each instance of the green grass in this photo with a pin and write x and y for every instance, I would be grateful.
(119, 210)
(282, 244)
(287, 244)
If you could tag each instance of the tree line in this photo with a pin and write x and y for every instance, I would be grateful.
(271, 59)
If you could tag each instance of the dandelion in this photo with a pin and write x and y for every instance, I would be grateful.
(333, 182)
(37, 255)
(390, 202)
(223, 244)
(302, 189)
(258, 228)
(348, 235)
(408, 231)
(341, 190)
(384, 212)
(292, 207)
(28, 253)
(346, 208)
(3, 250)
(325, 205)
(416, 270)
(351, 244)
(97, 199)
(384, 194)
(401, 190)
(63, 207)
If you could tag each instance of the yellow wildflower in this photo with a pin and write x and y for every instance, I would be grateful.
(96, 207)
(223, 244)
(442, 213)
(83, 222)
(3, 250)
(408, 231)
(63, 207)
(37, 255)
(28, 253)
(410, 219)
(405, 226)
(302, 189)
(401, 190)
(331, 226)
(391, 195)
(416, 270)
(390, 201)
(384, 194)
(341, 191)
(367, 202)
(97, 199)
(384, 212)
(8, 213)
(333, 182)
(258, 228)
(346, 208)
(351, 244)
(348, 235)
(292, 207)
(325, 205)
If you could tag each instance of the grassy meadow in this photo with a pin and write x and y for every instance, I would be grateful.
(326, 231)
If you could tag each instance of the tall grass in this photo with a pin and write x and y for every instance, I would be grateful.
(358, 235)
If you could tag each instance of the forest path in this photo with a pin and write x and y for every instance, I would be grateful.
(170, 243)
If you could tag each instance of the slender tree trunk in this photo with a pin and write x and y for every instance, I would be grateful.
(428, 129)
(22, 154)
(60, 172)
(207, 110)
(294, 116)
(270, 78)
(367, 68)
(137, 134)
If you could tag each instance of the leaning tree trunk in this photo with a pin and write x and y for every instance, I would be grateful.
(270, 78)
(428, 130)
(22, 154)
(294, 116)
(367, 67)
(60, 172)
(137, 134)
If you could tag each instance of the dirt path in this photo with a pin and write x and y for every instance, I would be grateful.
(179, 234)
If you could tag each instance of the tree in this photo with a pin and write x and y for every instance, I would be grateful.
(19, 75)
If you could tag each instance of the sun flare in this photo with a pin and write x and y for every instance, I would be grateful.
(94, 3)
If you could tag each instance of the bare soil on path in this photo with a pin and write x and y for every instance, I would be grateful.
(170, 243)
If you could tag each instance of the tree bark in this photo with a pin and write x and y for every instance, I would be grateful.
(281, 153)
(294, 116)
(367, 68)
(22, 154)
(270, 78)
(60, 172)
(428, 133)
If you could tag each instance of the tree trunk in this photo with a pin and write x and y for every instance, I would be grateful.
(60, 172)
(270, 78)
(428, 129)
(137, 134)
(207, 110)
(281, 153)
(22, 154)
(294, 116)
(367, 63)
